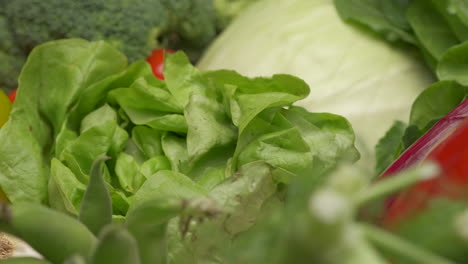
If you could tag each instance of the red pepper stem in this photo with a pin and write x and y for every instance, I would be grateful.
(389, 185)
(398, 248)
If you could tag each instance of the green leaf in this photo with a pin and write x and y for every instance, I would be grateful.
(47, 230)
(154, 165)
(384, 17)
(250, 96)
(65, 190)
(148, 140)
(395, 12)
(208, 125)
(128, 173)
(148, 223)
(243, 195)
(175, 149)
(445, 8)
(435, 102)
(461, 9)
(212, 178)
(181, 77)
(52, 79)
(430, 27)
(453, 64)
(396, 248)
(241, 200)
(116, 245)
(389, 146)
(63, 139)
(97, 118)
(96, 207)
(143, 95)
(98, 129)
(168, 184)
(120, 203)
(150, 105)
(263, 123)
(96, 94)
(118, 143)
(286, 149)
(329, 136)
(132, 149)
(296, 140)
(74, 64)
(411, 134)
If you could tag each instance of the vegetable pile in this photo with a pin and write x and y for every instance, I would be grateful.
(219, 135)
(135, 28)
(158, 162)
(351, 72)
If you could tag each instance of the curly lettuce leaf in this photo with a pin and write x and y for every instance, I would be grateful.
(51, 81)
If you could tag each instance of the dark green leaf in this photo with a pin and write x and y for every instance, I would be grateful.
(461, 9)
(385, 17)
(395, 12)
(389, 147)
(445, 8)
(435, 102)
(453, 65)
(430, 27)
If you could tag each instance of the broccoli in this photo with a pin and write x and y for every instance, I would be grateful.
(133, 26)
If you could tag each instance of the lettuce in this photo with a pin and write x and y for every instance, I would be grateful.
(193, 135)
(351, 71)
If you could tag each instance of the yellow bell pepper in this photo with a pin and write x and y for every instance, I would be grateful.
(5, 108)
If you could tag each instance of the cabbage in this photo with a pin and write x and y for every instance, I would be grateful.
(351, 72)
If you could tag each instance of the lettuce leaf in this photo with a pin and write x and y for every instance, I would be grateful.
(191, 136)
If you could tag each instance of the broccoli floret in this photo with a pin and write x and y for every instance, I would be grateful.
(133, 26)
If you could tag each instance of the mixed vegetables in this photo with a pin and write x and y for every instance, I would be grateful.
(135, 28)
(350, 72)
(159, 161)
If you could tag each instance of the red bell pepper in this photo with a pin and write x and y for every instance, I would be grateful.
(446, 143)
(12, 95)
(156, 60)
